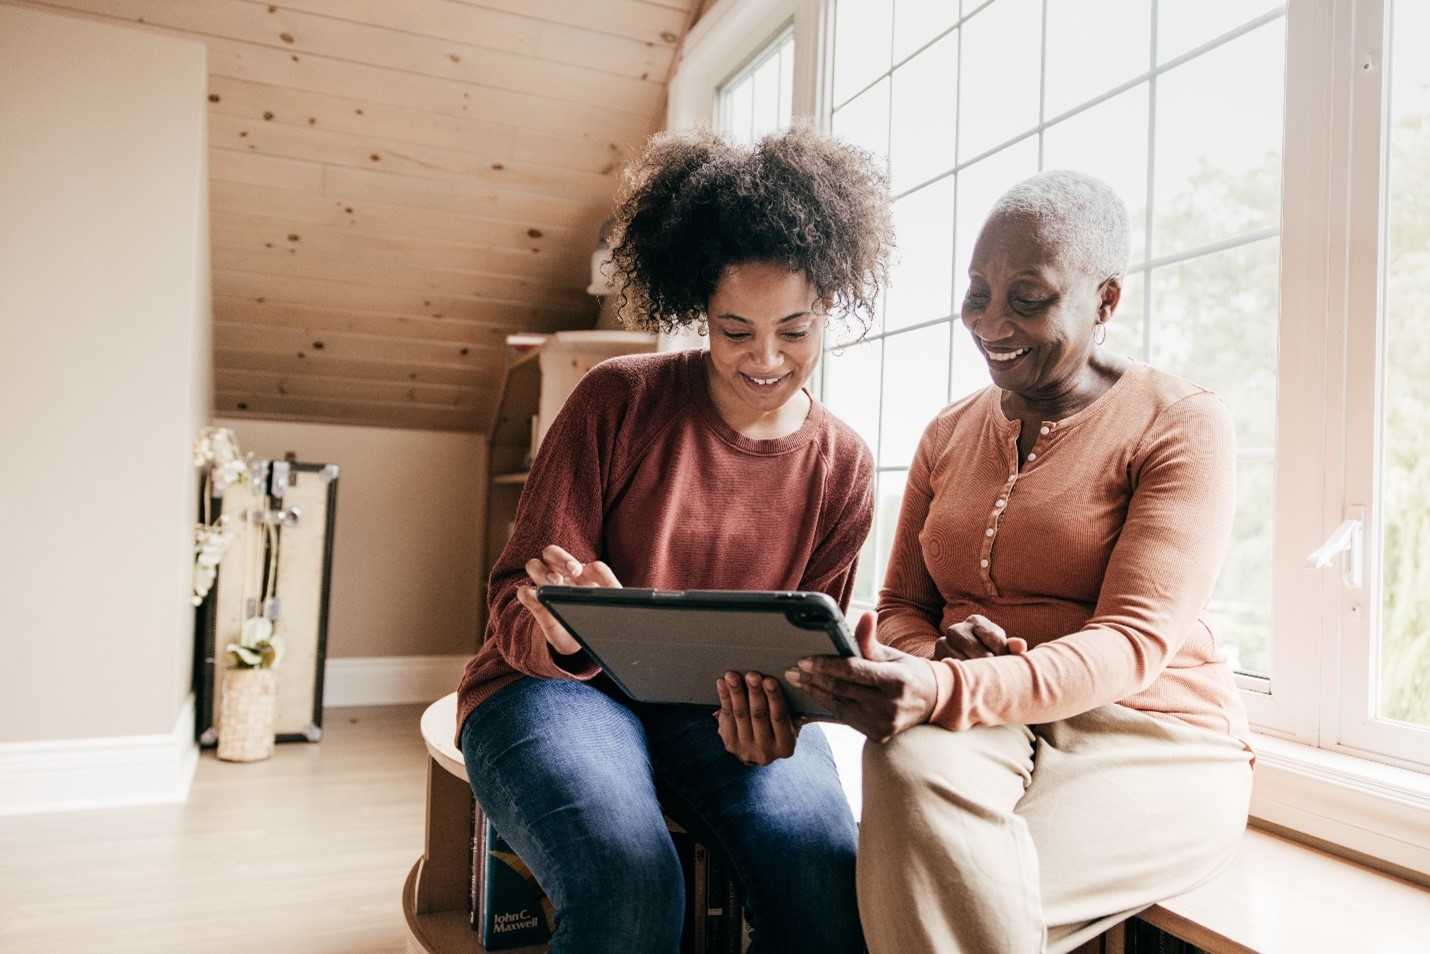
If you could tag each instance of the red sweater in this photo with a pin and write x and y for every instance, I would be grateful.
(640, 470)
(1100, 550)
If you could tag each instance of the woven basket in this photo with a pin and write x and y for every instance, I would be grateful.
(245, 727)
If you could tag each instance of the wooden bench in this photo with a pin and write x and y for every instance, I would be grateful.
(1277, 897)
(1282, 897)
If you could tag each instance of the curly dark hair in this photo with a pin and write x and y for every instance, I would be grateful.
(694, 204)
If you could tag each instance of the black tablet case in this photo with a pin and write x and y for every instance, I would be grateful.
(672, 645)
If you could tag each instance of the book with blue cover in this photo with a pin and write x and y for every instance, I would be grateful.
(508, 906)
(510, 909)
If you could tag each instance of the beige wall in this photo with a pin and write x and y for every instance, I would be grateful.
(104, 373)
(409, 525)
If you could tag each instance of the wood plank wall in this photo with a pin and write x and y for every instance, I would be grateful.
(397, 184)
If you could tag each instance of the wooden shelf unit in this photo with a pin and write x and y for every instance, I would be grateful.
(437, 896)
(533, 389)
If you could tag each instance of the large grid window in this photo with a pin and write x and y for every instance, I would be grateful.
(1179, 108)
(1276, 162)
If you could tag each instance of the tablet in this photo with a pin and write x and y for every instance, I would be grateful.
(672, 645)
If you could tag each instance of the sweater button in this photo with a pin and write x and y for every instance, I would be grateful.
(1032, 457)
(983, 563)
(1045, 430)
(988, 532)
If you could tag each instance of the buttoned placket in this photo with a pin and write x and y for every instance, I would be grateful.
(1000, 505)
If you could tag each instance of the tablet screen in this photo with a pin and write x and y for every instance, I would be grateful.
(671, 646)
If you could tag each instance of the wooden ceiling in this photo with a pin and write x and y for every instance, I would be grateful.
(396, 185)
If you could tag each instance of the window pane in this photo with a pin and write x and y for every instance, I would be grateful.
(851, 387)
(999, 82)
(918, 21)
(1214, 323)
(739, 109)
(863, 32)
(1108, 141)
(767, 98)
(1088, 55)
(1124, 331)
(865, 121)
(918, 362)
(866, 577)
(1240, 606)
(1219, 125)
(1184, 25)
(890, 498)
(924, 125)
(921, 286)
(786, 105)
(970, 368)
(1404, 662)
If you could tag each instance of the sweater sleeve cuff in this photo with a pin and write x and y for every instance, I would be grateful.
(943, 680)
(577, 665)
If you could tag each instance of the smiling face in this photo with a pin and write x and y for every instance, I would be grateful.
(1032, 312)
(766, 334)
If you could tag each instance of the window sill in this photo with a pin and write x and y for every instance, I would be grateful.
(1373, 813)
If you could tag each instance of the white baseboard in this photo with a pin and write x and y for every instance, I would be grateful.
(390, 680)
(77, 774)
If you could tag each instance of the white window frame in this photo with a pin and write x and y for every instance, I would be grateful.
(1312, 778)
(726, 37)
(1322, 771)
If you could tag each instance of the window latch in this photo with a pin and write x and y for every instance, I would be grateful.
(1348, 538)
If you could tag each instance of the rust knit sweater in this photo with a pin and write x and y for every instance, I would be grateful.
(1100, 550)
(640, 470)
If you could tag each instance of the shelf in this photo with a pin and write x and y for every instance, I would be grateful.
(533, 389)
(436, 895)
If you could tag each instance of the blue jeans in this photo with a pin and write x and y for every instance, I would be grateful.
(578, 782)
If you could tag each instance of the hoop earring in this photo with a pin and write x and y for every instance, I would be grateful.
(1099, 334)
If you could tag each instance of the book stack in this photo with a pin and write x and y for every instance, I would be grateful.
(1143, 938)
(713, 909)
(510, 910)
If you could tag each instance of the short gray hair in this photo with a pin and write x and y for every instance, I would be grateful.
(1078, 213)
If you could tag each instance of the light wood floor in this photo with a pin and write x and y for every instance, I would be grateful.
(302, 854)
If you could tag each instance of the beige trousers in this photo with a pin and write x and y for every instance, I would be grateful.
(1023, 839)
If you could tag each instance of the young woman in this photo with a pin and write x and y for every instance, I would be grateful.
(692, 469)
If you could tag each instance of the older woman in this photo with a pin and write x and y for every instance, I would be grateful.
(690, 469)
(1059, 742)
